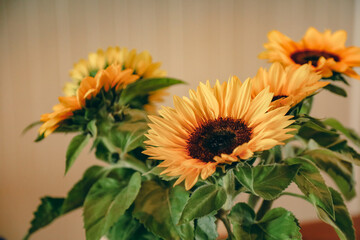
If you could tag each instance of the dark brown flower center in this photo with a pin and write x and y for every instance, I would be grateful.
(218, 136)
(278, 97)
(303, 57)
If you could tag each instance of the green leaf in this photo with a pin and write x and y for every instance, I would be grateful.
(342, 224)
(159, 209)
(205, 200)
(349, 133)
(129, 136)
(311, 183)
(76, 145)
(336, 89)
(340, 171)
(277, 224)
(77, 194)
(145, 86)
(106, 202)
(49, 209)
(206, 228)
(128, 228)
(313, 129)
(266, 181)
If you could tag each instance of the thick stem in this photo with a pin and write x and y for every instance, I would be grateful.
(265, 206)
(222, 215)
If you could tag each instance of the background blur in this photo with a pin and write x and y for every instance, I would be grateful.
(196, 41)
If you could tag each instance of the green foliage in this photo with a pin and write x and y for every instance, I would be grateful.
(128, 228)
(76, 145)
(266, 181)
(205, 228)
(277, 224)
(205, 200)
(336, 89)
(49, 209)
(342, 222)
(106, 202)
(145, 86)
(311, 183)
(159, 209)
(349, 133)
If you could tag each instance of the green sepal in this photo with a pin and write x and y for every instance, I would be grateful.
(205, 200)
(266, 181)
(277, 224)
(342, 223)
(30, 126)
(159, 209)
(75, 147)
(336, 89)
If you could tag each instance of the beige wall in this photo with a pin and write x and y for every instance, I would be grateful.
(195, 40)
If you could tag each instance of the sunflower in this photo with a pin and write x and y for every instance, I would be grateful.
(141, 64)
(289, 85)
(112, 77)
(326, 52)
(216, 126)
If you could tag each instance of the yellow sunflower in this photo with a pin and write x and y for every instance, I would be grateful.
(111, 77)
(326, 52)
(215, 126)
(141, 64)
(289, 85)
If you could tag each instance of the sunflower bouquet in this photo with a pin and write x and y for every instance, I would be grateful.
(177, 173)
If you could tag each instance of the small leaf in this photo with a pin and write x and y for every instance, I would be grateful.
(206, 228)
(106, 203)
(342, 224)
(266, 181)
(277, 224)
(76, 145)
(145, 86)
(336, 89)
(311, 183)
(30, 126)
(49, 209)
(91, 126)
(206, 199)
(159, 209)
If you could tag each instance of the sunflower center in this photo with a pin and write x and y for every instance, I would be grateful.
(303, 57)
(278, 97)
(218, 136)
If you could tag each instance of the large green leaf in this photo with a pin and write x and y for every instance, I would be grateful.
(277, 224)
(76, 145)
(311, 183)
(145, 86)
(159, 209)
(314, 129)
(106, 202)
(266, 181)
(342, 223)
(49, 209)
(349, 133)
(128, 228)
(205, 200)
(206, 228)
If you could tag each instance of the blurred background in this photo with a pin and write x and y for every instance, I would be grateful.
(200, 40)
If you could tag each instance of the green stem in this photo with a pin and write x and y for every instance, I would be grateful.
(222, 215)
(253, 200)
(265, 206)
(295, 195)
